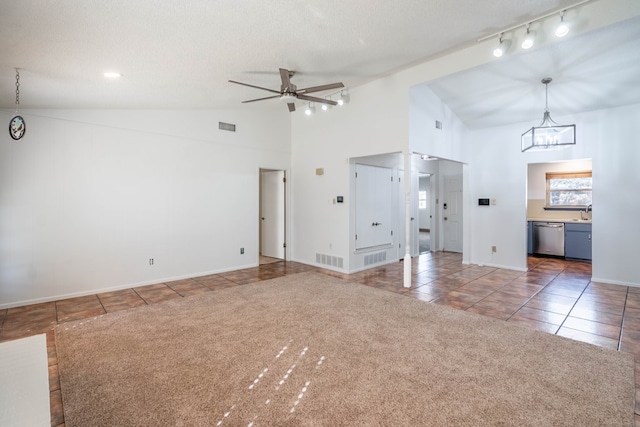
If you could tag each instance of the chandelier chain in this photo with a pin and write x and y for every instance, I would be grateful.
(17, 88)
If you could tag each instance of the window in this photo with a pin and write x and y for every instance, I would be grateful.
(568, 189)
(422, 200)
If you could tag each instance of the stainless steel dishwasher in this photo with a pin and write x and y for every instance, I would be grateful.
(548, 238)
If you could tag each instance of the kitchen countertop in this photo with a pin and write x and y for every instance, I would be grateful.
(580, 221)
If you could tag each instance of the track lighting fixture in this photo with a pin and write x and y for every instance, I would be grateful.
(502, 47)
(310, 110)
(563, 28)
(529, 38)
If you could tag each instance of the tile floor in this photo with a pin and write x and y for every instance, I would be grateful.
(554, 296)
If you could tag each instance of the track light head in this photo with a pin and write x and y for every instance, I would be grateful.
(344, 98)
(529, 39)
(563, 28)
(502, 47)
(326, 107)
(310, 110)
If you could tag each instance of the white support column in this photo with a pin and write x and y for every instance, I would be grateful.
(407, 219)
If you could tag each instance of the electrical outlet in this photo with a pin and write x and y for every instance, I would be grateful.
(241, 251)
(151, 261)
(493, 249)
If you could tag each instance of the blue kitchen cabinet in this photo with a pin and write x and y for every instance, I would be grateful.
(577, 241)
(529, 237)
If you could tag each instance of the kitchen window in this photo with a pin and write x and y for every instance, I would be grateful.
(568, 190)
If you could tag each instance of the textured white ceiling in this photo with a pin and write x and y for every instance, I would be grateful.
(176, 55)
(180, 54)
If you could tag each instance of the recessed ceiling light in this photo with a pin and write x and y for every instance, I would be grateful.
(112, 75)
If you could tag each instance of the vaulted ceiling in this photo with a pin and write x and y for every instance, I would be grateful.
(177, 55)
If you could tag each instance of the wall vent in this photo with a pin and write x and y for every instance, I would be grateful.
(375, 258)
(227, 126)
(334, 261)
(438, 124)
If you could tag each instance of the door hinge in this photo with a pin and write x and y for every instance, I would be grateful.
(392, 232)
(284, 245)
(356, 174)
(284, 179)
(356, 237)
(391, 179)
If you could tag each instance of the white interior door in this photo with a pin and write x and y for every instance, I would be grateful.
(452, 213)
(374, 202)
(272, 221)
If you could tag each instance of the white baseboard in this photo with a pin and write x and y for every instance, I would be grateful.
(120, 287)
(615, 282)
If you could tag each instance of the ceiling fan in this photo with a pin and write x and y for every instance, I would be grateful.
(288, 92)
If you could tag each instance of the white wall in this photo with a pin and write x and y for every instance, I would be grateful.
(374, 122)
(87, 197)
(424, 138)
(499, 170)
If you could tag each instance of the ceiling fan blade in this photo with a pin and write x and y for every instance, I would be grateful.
(261, 99)
(315, 99)
(256, 87)
(284, 75)
(292, 106)
(321, 88)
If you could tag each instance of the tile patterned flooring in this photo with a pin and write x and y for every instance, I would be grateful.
(554, 296)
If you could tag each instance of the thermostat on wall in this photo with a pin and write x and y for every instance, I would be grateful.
(483, 202)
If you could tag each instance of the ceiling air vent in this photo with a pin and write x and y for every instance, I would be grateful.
(227, 126)
(438, 124)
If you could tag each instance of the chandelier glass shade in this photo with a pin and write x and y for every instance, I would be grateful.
(548, 134)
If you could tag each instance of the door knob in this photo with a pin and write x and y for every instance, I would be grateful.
(262, 218)
(445, 218)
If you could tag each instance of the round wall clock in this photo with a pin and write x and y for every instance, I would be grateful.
(17, 127)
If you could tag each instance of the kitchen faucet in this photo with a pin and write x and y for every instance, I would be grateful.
(586, 211)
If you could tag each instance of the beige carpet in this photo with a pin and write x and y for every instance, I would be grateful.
(311, 350)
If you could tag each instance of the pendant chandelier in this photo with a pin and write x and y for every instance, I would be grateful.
(17, 126)
(548, 134)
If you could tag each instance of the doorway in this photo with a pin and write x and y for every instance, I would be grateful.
(272, 216)
(424, 213)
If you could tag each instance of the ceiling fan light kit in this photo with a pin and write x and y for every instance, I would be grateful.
(528, 38)
(289, 93)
